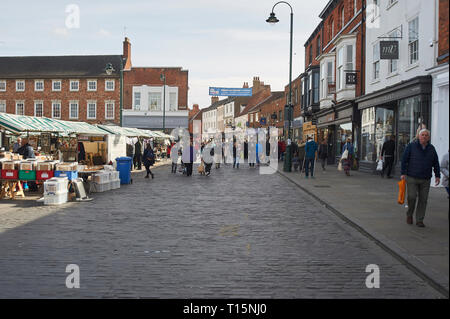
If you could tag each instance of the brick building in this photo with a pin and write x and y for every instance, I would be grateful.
(78, 88)
(152, 94)
(296, 87)
(334, 73)
(271, 111)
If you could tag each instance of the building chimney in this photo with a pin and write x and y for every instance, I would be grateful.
(256, 84)
(127, 54)
(214, 99)
(245, 85)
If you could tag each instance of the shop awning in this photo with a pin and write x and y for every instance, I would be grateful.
(126, 131)
(22, 123)
(81, 128)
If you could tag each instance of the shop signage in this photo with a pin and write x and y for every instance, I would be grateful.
(350, 78)
(215, 91)
(389, 50)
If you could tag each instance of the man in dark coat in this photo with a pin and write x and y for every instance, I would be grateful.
(418, 161)
(149, 159)
(323, 153)
(388, 150)
(138, 155)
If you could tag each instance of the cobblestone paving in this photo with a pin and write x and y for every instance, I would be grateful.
(234, 234)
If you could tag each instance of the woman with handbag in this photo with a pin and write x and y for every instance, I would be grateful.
(149, 159)
(347, 156)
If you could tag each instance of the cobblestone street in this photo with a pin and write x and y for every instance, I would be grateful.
(234, 234)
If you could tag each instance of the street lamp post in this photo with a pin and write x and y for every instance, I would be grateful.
(163, 78)
(273, 19)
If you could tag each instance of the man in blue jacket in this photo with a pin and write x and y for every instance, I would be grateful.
(310, 156)
(418, 160)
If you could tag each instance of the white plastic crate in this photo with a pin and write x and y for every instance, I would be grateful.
(55, 185)
(101, 187)
(55, 199)
(115, 184)
(114, 175)
(101, 178)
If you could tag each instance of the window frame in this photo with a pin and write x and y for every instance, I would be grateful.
(111, 102)
(35, 111)
(17, 85)
(36, 83)
(342, 16)
(53, 85)
(23, 106)
(414, 43)
(3, 102)
(113, 85)
(93, 102)
(53, 109)
(78, 85)
(2, 82)
(87, 85)
(376, 62)
(74, 102)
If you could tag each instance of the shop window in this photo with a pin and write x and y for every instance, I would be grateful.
(411, 112)
(368, 150)
(384, 127)
(344, 131)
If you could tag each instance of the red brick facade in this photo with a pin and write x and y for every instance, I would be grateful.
(175, 77)
(47, 96)
(443, 32)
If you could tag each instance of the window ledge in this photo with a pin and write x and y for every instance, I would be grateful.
(375, 81)
(391, 5)
(412, 66)
(392, 75)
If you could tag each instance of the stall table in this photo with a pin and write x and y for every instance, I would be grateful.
(9, 188)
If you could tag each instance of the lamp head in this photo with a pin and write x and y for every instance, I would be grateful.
(272, 19)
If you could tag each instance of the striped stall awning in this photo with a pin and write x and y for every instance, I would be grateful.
(81, 128)
(21, 123)
(126, 131)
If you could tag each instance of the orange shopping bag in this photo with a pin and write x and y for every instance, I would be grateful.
(401, 192)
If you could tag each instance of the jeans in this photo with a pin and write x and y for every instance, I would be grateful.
(174, 167)
(189, 168)
(417, 188)
(323, 161)
(147, 167)
(236, 162)
(309, 162)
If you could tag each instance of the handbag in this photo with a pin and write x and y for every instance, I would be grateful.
(340, 166)
(344, 155)
(380, 165)
(401, 192)
(201, 168)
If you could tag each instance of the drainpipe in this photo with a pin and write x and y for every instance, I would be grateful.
(121, 90)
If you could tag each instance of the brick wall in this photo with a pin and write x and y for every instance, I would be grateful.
(443, 31)
(64, 96)
(151, 77)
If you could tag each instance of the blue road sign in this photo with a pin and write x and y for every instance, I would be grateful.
(230, 91)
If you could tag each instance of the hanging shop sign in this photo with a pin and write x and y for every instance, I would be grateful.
(350, 78)
(389, 50)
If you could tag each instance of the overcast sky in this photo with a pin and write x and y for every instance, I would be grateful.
(221, 43)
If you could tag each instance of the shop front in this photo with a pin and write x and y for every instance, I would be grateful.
(336, 125)
(396, 111)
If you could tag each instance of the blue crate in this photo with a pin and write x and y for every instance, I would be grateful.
(71, 175)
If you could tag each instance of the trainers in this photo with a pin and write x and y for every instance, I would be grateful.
(420, 224)
(409, 220)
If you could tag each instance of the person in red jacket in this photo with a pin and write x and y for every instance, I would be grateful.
(169, 148)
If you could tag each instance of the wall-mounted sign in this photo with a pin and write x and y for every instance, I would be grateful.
(350, 78)
(214, 91)
(389, 50)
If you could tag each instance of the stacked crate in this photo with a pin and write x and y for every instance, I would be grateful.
(114, 179)
(101, 182)
(69, 170)
(55, 191)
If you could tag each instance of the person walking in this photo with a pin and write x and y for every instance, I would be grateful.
(301, 156)
(444, 170)
(188, 159)
(130, 150)
(418, 161)
(149, 160)
(310, 156)
(323, 153)
(348, 160)
(174, 157)
(138, 155)
(217, 155)
(388, 150)
(245, 150)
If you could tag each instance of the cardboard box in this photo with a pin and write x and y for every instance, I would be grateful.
(45, 166)
(8, 165)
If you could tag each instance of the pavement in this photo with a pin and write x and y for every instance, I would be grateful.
(232, 234)
(369, 203)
